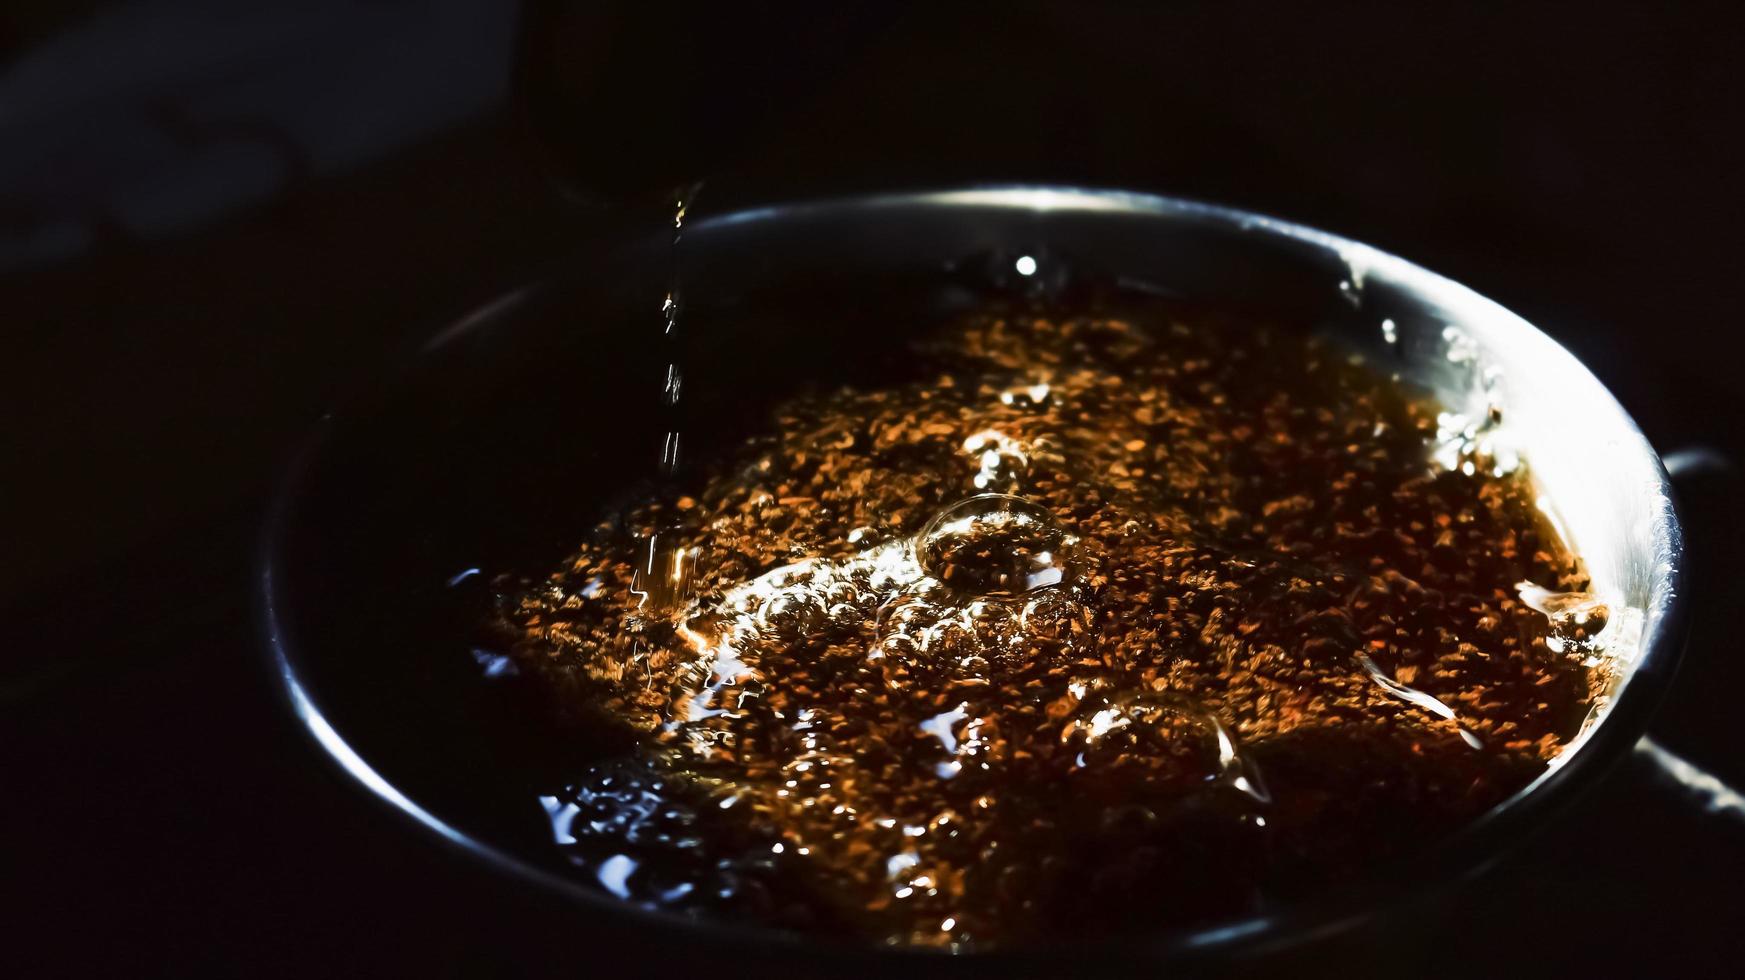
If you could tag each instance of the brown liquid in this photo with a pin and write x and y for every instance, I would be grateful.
(1103, 626)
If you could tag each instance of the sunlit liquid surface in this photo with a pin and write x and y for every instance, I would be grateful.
(1097, 625)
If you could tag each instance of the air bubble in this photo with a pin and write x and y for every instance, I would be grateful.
(1001, 461)
(995, 544)
(1034, 396)
(1578, 619)
(1162, 740)
(1055, 614)
(1421, 699)
(795, 616)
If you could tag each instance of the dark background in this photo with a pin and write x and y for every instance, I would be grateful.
(215, 221)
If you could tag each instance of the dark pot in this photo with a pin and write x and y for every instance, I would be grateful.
(508, 432)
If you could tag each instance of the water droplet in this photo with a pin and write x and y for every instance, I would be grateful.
(675, 382)
(1032, 270)
(1356, 271)
(663, 582)
(1461, 348)
(669, 453)
(995, 544)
